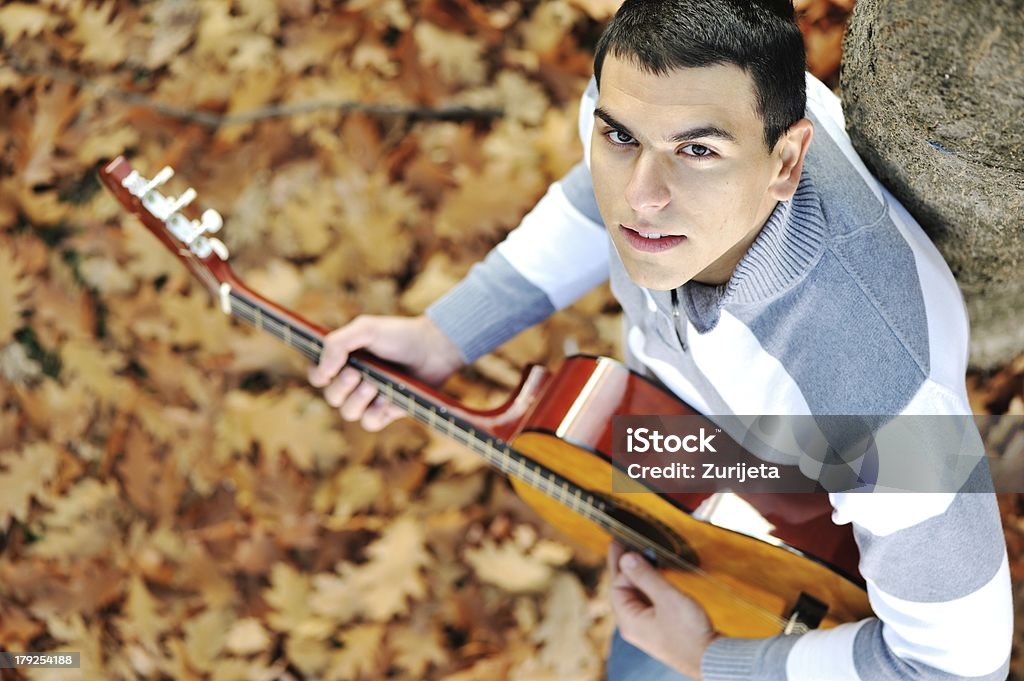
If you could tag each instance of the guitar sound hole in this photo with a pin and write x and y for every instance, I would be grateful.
(648, 535)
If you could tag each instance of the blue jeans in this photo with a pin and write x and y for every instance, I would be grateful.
(629, 663)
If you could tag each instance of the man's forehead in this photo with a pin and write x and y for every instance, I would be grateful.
(719, 97)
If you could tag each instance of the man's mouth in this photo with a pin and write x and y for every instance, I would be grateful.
(649, 240)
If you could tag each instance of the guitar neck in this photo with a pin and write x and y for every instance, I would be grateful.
(416, 401)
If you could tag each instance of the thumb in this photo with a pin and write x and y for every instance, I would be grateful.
(644, 577)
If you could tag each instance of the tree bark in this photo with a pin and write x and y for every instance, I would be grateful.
(933, 92)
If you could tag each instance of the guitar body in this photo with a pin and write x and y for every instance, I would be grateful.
(789, 569)
(739, 578)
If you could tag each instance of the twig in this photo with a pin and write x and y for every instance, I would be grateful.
(213, 120)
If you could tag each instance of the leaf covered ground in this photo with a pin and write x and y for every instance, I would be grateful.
(175, 501)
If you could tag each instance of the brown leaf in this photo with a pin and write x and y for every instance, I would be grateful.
(103, 37)
(141, 618)
(562, 634)
(55, 106)
(19, 19)
(17, 628)
(81, 524)
(509, 567)
(416, 648)
(13, 289)
(24, 476)
(360, 656)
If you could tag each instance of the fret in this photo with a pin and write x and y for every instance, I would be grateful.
(259, 318)
(288, 334)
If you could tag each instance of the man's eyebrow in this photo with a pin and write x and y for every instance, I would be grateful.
(610, 120)
(684, 136)
(703, 131)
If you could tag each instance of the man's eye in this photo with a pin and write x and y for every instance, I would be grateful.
(697, 151)
(619, 137)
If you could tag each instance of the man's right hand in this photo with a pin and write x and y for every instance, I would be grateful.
(414, 342)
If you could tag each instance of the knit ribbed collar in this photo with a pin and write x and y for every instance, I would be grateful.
(784, 251)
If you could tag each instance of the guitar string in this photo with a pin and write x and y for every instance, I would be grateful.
(311, 348)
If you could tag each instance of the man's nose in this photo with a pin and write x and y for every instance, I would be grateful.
(647, 188)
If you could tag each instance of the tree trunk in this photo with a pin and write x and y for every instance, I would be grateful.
(933, 92)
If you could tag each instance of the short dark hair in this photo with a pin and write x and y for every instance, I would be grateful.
(759, 36)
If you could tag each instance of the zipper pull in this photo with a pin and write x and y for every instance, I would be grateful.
(677, 319)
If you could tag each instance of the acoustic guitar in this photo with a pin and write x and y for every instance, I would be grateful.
(552, 438)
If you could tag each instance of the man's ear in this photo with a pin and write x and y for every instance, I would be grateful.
(791, 149)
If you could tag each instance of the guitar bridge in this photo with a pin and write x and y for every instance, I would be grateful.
(807, 614)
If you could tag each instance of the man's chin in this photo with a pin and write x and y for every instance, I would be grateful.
(657, 282)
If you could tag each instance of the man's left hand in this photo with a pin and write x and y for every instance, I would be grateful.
(656, 617)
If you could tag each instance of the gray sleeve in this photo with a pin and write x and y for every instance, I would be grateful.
(557, 253)
(490, 305)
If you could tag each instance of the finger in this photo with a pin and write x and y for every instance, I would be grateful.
(615, 551)
(356, 404)
(337, 346)
(340, 388)
(628, 603)
(644, 577)
(380, 413)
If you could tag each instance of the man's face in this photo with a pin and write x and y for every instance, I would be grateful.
(681, 155)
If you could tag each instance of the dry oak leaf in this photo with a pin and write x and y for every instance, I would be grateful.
(598, 9)
(172, 26)
(415, 649)
(458, 58)
(352, 489)
(22, 19)
(547, 27)
(393, 575)
(565, 646)
(17, 629)
(386, 12)
(297, 422)
(486, 203)
(291, 599)
(247, 637)
(24, 475)
(72, 632)
(360, 656)
(509, 567)
(83, 522)
(97, 371)
(309, 654)
(205, 637)
(55, 107)
(104, 39)
(375, 216)
(13, 288)
(141, 619)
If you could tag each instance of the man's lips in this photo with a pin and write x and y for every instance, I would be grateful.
(649, 240)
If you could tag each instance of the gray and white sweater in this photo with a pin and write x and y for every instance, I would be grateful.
(841, 306)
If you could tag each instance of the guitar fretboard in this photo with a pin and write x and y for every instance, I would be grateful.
(497, 452)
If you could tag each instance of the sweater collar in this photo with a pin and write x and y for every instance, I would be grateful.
(784, 250)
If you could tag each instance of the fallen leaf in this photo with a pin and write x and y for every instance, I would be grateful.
(457, 57)
(505, 565)
(24, 476)
(247, 637)
(13, 289)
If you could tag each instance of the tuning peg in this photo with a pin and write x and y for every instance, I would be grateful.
(211, 221)
(187, 197)
(160, 178)
(218, 247)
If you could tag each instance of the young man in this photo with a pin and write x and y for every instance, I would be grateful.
(762, 270)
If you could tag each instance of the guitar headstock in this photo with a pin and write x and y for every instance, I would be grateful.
(188, 239)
